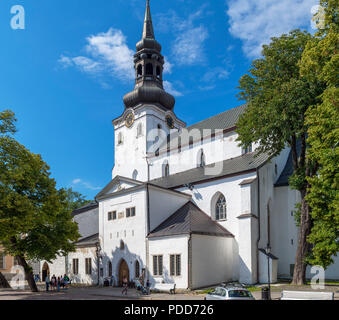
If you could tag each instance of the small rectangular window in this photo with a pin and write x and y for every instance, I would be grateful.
(75, 266)
(157, 265)
(112, 215)
(175, 265)
(88, 263)
(130, 212)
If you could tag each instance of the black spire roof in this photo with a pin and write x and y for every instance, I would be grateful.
(149, 66)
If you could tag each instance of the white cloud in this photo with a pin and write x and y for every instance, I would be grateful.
(214, 74)
(108, 53)
(87, 185)
(255, 22)
(189, 38)
(168, 86)
(167, 66)
(188, 47)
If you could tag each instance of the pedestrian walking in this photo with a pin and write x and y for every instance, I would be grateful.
(47, 281)
(58, 284)
(148, 287)
(125, 286)
(66, 281)
(53, 282)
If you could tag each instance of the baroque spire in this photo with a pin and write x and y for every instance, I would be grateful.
(149, 67)
(148, 25)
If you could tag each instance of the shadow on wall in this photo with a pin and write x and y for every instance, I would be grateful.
(90, 279)
(123, 258)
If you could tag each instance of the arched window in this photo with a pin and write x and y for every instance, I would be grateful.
(137, 269)
(149, 69)
(139, 130)
(220, 208)
(120, 138)
(109, 269)
(165, 169)
(139, 71)
(135, 175)
(201, 161)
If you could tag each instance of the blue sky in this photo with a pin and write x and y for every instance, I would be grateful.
(65, 74)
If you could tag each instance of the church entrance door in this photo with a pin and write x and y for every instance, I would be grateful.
(123, 272)
(45, 271)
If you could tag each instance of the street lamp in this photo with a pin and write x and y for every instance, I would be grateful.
(98, 250)
(268, 251)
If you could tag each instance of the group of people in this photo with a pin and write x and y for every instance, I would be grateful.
(57, 283)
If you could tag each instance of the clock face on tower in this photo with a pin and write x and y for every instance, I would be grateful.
(129, 120)
(170, 122)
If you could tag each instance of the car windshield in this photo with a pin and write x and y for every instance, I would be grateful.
(239, 294)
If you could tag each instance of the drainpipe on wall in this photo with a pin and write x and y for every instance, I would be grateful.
(147, 232)
(189, 260)
(258, 204)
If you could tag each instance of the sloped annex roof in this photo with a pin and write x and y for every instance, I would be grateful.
(246, 162)
(189, 219)
(88, 241)
(91, 206)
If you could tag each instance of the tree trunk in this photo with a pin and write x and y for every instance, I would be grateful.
(3, 282)
(28, 274)
(299, 274)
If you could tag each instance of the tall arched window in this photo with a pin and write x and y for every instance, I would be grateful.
(109, 269)
(220, 208)
(149, 69)
(137, 269)
(165, 169)
(201, 161)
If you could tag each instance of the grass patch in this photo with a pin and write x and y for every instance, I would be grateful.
(205, 291)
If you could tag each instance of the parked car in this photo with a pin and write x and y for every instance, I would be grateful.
(229, 293)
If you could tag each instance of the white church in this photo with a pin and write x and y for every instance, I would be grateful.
(186, 205)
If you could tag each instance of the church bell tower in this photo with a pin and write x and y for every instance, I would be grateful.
(148, 109)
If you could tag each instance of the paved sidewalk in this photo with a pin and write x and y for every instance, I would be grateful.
(92, 293)
(99, 293)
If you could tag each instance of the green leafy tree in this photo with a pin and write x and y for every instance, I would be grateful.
(278, 99)
(35, 217)
(75, 199)
(7, 125)
(321, 61)
(7, 122)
